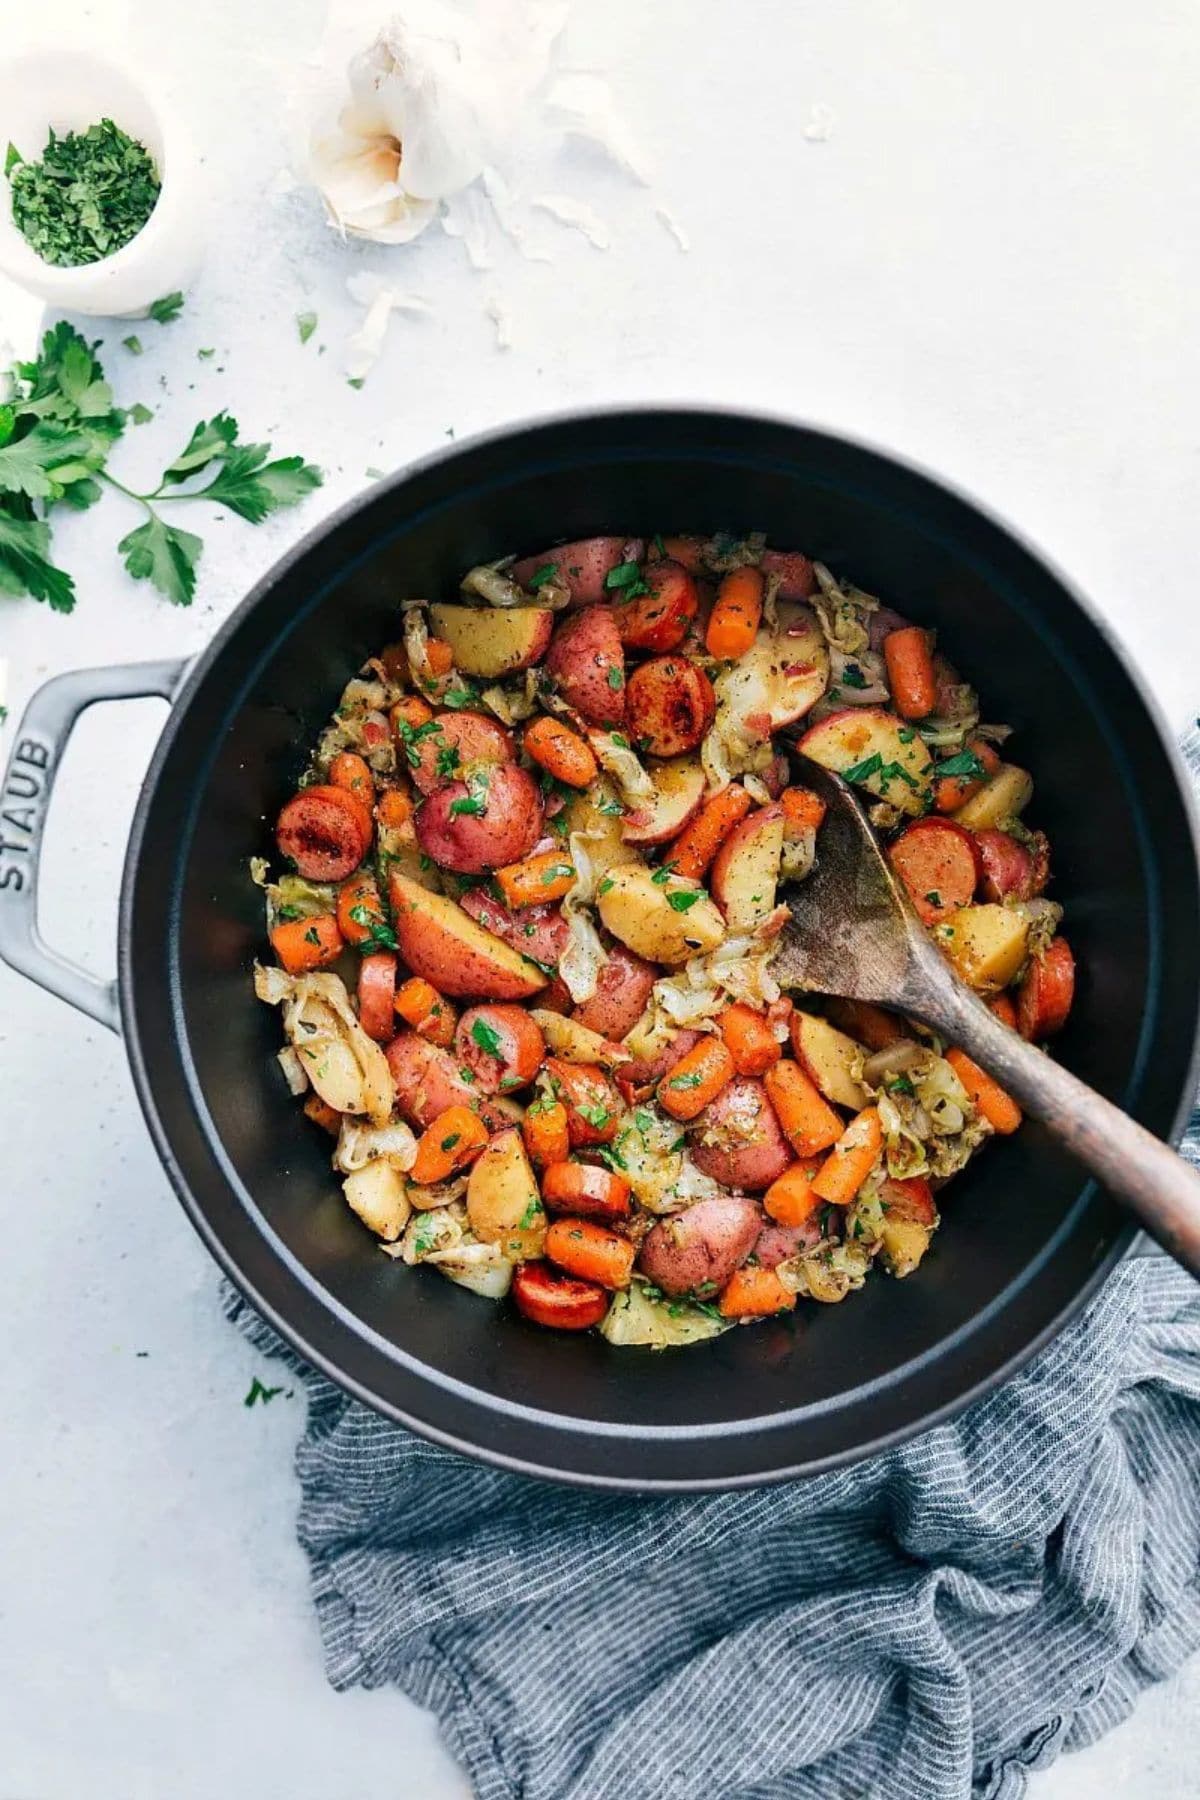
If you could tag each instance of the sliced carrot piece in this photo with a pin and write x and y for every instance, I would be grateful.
(324, 1115)
(987, 1096)
(429, 1013)
(697, 845)
(790, 1199)
(360, 913)
(733, 622)
(952, 791)
(561, 752)
(538, 879)
(749, 1039)
(851, 1159)
(394, 809)
(455, 1139)
(439, 656)
(808, 1121)
(582, 1188)
(304, 944)
(544, 1129)
(1005, 1011)
(1046, 992)
(802, 809)
(590, 1252)
(411, 712)
(909, 658)
(754, 1293)
(696, 1078)
(352, 772)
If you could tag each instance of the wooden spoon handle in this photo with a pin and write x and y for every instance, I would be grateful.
(1145, 1175)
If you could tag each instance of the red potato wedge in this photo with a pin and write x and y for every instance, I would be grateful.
(778, 1243)
(538, 932)
(939, 863)
(501, 1046)
(583, 566)
(877, 751)
(470, 842)
(503, 1204)
(698, 1250)
(452, 745)
(660, 619)
(1008, 870)
(908, 1223)
(746, 871)
(797, 578)
(669, 705)
(783, 674)
(622, 994)
(325, 831)
(586, 661)
(678, 797)
(1046, 993)
(827, 1057)
(458, 956)
(637, 1080)
(491, 642)
(428, 1082)
(737, 1139)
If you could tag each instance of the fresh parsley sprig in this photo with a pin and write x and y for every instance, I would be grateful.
(58, 426)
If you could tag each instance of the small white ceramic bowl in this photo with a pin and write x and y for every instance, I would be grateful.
(70, 90)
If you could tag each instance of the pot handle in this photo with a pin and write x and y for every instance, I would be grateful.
(41, 738)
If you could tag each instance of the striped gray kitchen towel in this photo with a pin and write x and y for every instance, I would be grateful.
(926, 1626)
(929, 1625)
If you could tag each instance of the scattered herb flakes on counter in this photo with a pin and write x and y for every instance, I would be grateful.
(166, 309)
(58, 426)
(259, 1392)
(90, 194)
(133, 345)
(306, 324)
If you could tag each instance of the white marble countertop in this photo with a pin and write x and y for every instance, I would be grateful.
(988, 264)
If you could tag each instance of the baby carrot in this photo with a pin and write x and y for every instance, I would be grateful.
(411, 711)
(1004, 1010)
(733, 622)
(561, 752)
(802, 809)
(987, 1096)
(696, 846)
(909, 660)
(360, 913)
(686, 551)
(394, 810)
(349, 771)
(952, 791)
(539, 878)
(748, 1039)
(871, 1025)
(696, 1078)
(577, 1188)
(754, 1293)
(851, 1159)
(790, 1199)
(453, 1140)
(590, 1252)
(304, 944)
(322, 1114)
(439, 656)
(544, 1129)
(809, 1123)
(429, 1013)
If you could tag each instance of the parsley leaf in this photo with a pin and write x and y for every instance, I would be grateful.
(862, 771)
(29, 464)
(466, 803)
(165, 556)
(680, 902)
(25, 566)
(626, 579)
(166, 308)
(259, 1392)
(487, 1037)
(965, 763)
(853, 677)
(306, 324)
(541, 576)
(133, 345)
(88, 196)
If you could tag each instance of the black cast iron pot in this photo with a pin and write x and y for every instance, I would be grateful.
(1025, 1237)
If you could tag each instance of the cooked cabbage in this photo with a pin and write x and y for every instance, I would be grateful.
(929, 1125)
(826, 1273)
(643, 1315)
(738, 969)
(376, 1193)
(842, 613)
(585, 956)
(363, 701)
(650, 1152)
(514, 701)
(359, 1144)
(346, 1067)
(293, 1071)
(616, 758)
(493, 583)
(481, 1267)
(292, 897)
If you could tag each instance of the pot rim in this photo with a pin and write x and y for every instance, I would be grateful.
(549, 1423)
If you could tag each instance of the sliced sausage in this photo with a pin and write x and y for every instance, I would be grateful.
(638, 1079)
(586, 660)
(428, 1082)
(938, 863)
(1046, 993)
(797, 577)
(738, 1140)
(1007, 867)
(454, 743)
(474, 827)
(669, 706)
(658, 620)
(695, 1252)
(325, 831)
(777, 1243)
(377, 995)
(501, 1046)
(558, 1301)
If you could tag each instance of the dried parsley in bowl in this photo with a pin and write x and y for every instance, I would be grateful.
(91, 193)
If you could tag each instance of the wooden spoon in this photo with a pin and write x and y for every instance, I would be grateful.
(854, 933)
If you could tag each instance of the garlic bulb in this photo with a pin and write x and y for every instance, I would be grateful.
(430, 102)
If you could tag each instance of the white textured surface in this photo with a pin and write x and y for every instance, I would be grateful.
(989, 264)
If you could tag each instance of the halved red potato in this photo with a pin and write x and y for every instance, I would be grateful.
(503, 1203)
(678, 797)
(780, 678)
(539, 932)
(583, 566)
(778, 1243)
(441, 942)
(493, 641)
(828, 1057)
(638, 1079)
(939, 863)
(797, 578)
(658, 620)
(428, 1081)
(1008, 870)
(1003, 796)
(875, 750)
(908, 1223)
(586, 660)
(669, 705)
(746, 871)
(738, 1140)
(461, 741)
(663, 921)
(622, 992)
(482, 826)
(695, 1252)
(501, 1046)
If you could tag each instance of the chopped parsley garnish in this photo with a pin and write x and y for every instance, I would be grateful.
(658, 544)
(612, 809)
(605, 886)
(458, 697)
(900, 1084)
(380, 935)
(684, 1081)
(90, 194)
(616, 679)
(907, 733)
(133, 345)
(466, 803)
(448, 1143)
(259, 1392)
(531, 1215)
(966, 763)
(306, 324)
(596, 1116)
(862, 771)
(661, 876)
(626, 580)
(447, 759)
(167, 308)
(681, 902)
(487, 1037)
(933, 897)
(312, 935)
(557, 871)
(853, 677)
(541, 576)
(619, 739)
